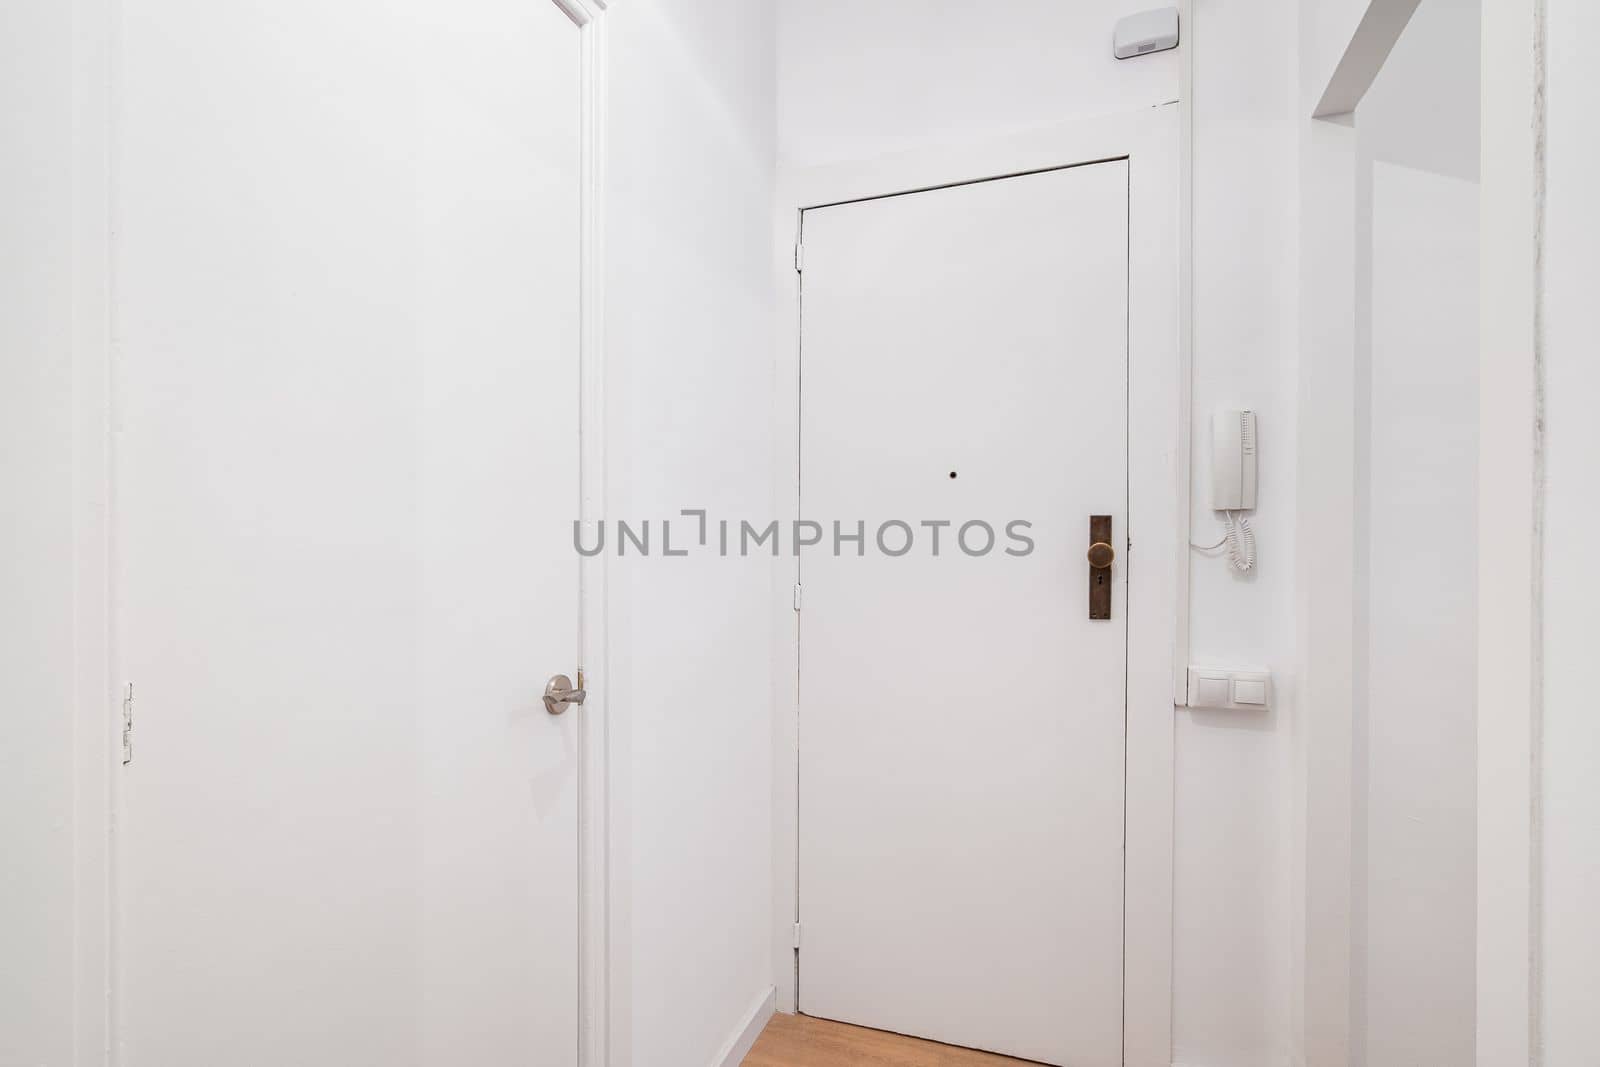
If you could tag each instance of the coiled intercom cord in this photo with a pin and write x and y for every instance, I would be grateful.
(1240, 540)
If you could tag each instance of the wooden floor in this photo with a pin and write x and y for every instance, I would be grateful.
(801, 1041)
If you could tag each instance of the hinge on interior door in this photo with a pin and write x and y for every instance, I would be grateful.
(797, 596)
(127, 724)
(799, 257)
(796, 935)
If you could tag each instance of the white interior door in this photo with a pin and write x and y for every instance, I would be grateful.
(962, 719)
(346, 464)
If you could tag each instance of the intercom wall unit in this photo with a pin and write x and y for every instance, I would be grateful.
(1233, 461)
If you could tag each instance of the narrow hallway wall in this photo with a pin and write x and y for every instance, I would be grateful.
(1570, 1026)
(36, 557)
(689, 344)
(1415, 779)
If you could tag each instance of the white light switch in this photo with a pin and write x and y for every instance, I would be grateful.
(1249, 691)
(1212, 691)
(1229, 690)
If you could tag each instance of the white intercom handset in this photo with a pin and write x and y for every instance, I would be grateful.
(1233, 461)
(1233, 482)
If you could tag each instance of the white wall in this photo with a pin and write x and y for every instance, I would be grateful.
(36, 559)
(689, 339)
(863, 79)
(1539, 805)
(1414, 795)
(1570, 985)
(1416, 752)
(1328, 27)
(1509, 543)
(692, 162)
(858, 80)
(1231, 999)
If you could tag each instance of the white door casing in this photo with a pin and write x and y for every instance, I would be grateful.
(356, 322)
(1157, 483)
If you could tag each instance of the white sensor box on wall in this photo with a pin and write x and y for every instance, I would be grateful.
(1146, 32)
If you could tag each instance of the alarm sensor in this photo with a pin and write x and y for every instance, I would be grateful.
(1146, 32)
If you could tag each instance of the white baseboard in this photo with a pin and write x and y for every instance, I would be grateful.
(750, 1027)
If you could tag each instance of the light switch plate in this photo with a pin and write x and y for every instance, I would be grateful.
(1227, 689)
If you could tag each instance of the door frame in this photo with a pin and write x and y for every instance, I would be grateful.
(98, 690)
(595, 935)
(1158, 487)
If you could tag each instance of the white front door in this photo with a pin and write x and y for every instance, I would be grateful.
(962, 717)
(346, 466)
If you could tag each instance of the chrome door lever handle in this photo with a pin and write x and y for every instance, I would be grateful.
(558, 693)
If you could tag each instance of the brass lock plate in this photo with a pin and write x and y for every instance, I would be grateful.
(1102, 553)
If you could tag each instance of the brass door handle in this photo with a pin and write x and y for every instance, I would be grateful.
(1101, 554)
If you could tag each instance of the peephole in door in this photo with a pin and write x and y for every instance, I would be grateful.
(952, 474)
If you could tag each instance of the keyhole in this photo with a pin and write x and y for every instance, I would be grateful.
(1099, 579)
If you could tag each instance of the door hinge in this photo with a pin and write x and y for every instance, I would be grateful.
(799, 257)
(796, 935)
(797, 596)
(127, 724)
